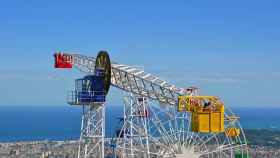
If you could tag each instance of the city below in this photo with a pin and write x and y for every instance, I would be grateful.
(263, 143)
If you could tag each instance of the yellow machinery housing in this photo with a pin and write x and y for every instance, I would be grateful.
(185, 103)
(232, 132)
(207, 113)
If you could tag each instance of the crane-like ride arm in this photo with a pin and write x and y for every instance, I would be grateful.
(128, 78)
(135, 80)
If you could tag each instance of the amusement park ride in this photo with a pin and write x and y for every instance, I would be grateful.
(160, 120)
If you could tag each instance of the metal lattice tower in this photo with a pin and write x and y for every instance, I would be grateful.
(92, 131)
(135, 128)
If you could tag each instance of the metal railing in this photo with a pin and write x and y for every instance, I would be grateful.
(85, 97)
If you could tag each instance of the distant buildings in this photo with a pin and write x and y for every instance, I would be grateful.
(68, 149)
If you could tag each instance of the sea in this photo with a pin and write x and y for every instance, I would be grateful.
(31, 123)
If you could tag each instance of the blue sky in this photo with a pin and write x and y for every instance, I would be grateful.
(227, 48)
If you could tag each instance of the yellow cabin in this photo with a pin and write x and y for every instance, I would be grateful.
(232, 132)
(208, 121)
(207, 113)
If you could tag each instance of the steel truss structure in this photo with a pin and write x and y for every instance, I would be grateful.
(92, 131)
(151, 130)
(135, 140)
(133, 79)
(168, 135)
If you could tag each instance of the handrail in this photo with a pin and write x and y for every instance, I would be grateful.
(85, 97)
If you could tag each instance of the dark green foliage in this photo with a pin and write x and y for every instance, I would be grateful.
(263, 137)
(239, 155)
